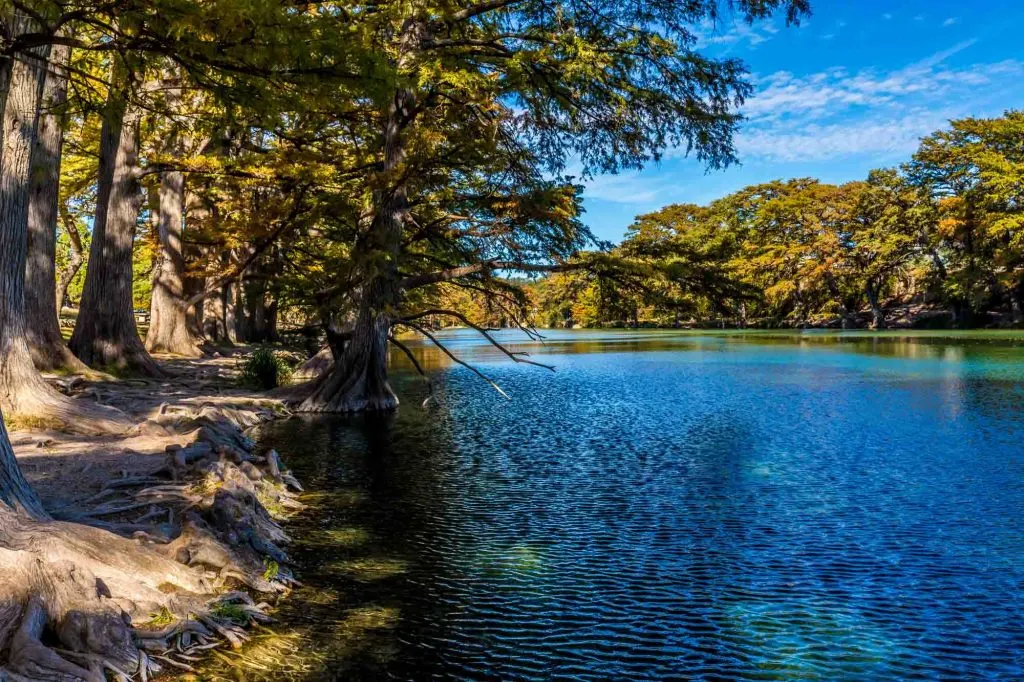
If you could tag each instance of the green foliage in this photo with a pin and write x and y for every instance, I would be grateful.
(230, 611)
(161, 618)
(945, 230)
(263, 369)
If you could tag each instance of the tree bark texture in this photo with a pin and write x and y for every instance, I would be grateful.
(359, 380)
(41, 307)
(106, 334)
(169, 326)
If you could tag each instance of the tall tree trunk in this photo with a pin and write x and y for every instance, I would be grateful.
(238, 331)
(23, 393)
(105, 334)
(68, 272)
(256, 305)
(42, 314)
(359, 380)
(169, 327)
(16, 370)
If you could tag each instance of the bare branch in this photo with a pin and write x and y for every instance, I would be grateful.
(415, 363)
(453, 313)
(451, 355)
(480, 8)
(416, 281)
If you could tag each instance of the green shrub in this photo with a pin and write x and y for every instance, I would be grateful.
(263, 369)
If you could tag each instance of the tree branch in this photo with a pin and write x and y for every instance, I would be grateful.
(416, 281)
(483, 332)
(415, 363)
(451, 355)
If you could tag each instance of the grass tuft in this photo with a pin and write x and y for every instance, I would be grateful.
(28, 422)
(263, 369)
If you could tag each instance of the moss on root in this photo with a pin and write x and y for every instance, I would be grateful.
(28, 422)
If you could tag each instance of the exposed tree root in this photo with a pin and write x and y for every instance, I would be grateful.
(72, 594)
(26, 398)
(359, 380)
(43, 407)
(316, 366)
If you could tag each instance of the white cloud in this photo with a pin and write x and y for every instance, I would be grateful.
(887, 16)
(837, 113)
(623, 189)
(950, 21)
(735, 33)
(878, 136)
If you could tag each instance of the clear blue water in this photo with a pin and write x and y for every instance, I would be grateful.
(673, 506)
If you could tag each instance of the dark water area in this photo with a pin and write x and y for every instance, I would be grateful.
(671, 506)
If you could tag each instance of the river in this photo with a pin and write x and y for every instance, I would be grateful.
(669, 505)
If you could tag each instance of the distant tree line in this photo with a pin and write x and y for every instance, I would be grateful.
(938, 241)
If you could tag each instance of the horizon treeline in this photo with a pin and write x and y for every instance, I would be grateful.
(937, 241)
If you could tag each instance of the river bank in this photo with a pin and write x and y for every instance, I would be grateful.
(195, 554)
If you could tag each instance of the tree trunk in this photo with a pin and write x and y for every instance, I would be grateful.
(42, 314)
(23, 393)
(67, 274)
(15, 491)
(359, 381)
(170, 321)
(877, 311)
(105, 334)
(169, 326)
(256, 304)
(846, 318)
(1017, 303)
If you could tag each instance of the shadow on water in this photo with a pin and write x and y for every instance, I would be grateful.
(346, 618)
(667, 506)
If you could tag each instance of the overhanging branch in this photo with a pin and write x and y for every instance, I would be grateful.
(516, 357)
(416, 281)
(455, 359)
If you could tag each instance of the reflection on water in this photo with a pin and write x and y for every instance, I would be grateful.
(665, 505)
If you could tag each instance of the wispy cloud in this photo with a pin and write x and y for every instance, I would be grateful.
(950, 21)
(628, 188)
(836, 113)
(735, 33)
(881, 136)
(887, 16)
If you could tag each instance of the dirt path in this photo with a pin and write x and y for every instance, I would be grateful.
(66, 469)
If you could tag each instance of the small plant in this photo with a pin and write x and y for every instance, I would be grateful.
(263, 369)
(231, 612)
(161, 618)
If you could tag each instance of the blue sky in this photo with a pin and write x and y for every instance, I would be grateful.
(853, 88)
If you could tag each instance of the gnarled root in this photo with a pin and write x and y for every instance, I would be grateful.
(82, 586)
(70, 593)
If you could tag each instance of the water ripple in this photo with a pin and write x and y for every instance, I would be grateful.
(723, 512)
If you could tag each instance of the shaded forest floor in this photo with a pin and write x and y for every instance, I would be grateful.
(67, 469)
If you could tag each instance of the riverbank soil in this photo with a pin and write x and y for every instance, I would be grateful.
(163, 543)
